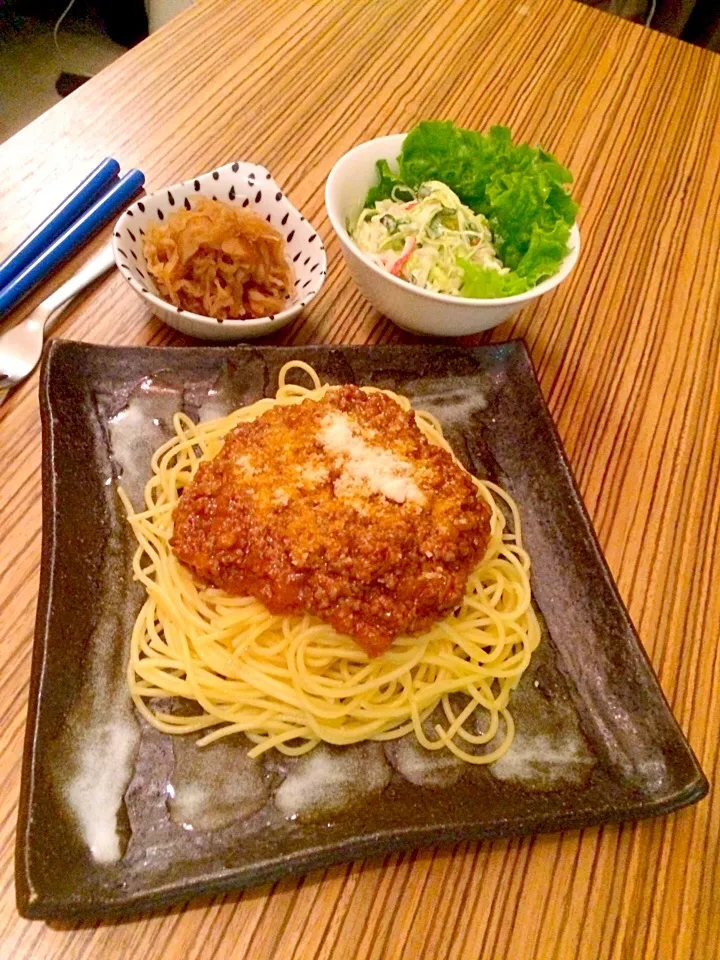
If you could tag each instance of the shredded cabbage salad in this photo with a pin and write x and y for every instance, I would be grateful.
(425, 239)
(468, 214)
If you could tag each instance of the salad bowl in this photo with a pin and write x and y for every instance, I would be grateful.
(413, 308)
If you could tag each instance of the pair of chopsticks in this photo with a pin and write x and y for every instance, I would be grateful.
(92, 204)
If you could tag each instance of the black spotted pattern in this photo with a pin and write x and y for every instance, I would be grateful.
(232, 195)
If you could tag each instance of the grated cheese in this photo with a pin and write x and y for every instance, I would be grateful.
(314, 473)
(245, 464)
(366, 468)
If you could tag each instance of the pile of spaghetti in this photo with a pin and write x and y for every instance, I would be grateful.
(292, 682)
(219, 261)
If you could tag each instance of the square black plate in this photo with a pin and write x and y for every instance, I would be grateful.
(596, 739)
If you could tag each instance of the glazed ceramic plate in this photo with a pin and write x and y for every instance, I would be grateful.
(114, 817)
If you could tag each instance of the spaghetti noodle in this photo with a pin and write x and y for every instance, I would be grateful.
(291, 682)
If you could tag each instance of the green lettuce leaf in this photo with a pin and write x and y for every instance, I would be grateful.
(463, 159)
(522, 190)
(546, 251)
(387, 181)
(483, 283)
(522, 203)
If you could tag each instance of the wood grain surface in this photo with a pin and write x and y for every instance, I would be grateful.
(628, 352)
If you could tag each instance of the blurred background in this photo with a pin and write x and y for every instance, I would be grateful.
(50, 47)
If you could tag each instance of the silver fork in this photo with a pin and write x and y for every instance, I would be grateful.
(21, 346)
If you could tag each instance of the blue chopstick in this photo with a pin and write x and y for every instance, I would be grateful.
(68, 243)
(60, 219)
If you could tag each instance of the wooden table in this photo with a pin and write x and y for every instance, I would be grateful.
(628, 352)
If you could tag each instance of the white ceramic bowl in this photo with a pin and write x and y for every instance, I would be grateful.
(244, 185)
(414, 309)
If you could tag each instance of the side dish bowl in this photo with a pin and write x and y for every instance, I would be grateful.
(245, 185)
(413, 308)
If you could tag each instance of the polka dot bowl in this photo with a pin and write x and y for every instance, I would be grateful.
(245, 185)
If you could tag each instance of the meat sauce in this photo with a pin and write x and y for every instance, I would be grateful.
(340, 508)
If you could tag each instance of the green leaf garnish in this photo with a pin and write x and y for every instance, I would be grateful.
(521, 190)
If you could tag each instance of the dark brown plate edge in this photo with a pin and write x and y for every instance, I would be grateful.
(382, 842)
(379, 844)
(26, 898)
(699, 786)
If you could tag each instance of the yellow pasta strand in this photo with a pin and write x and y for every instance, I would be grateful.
(291, 682)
